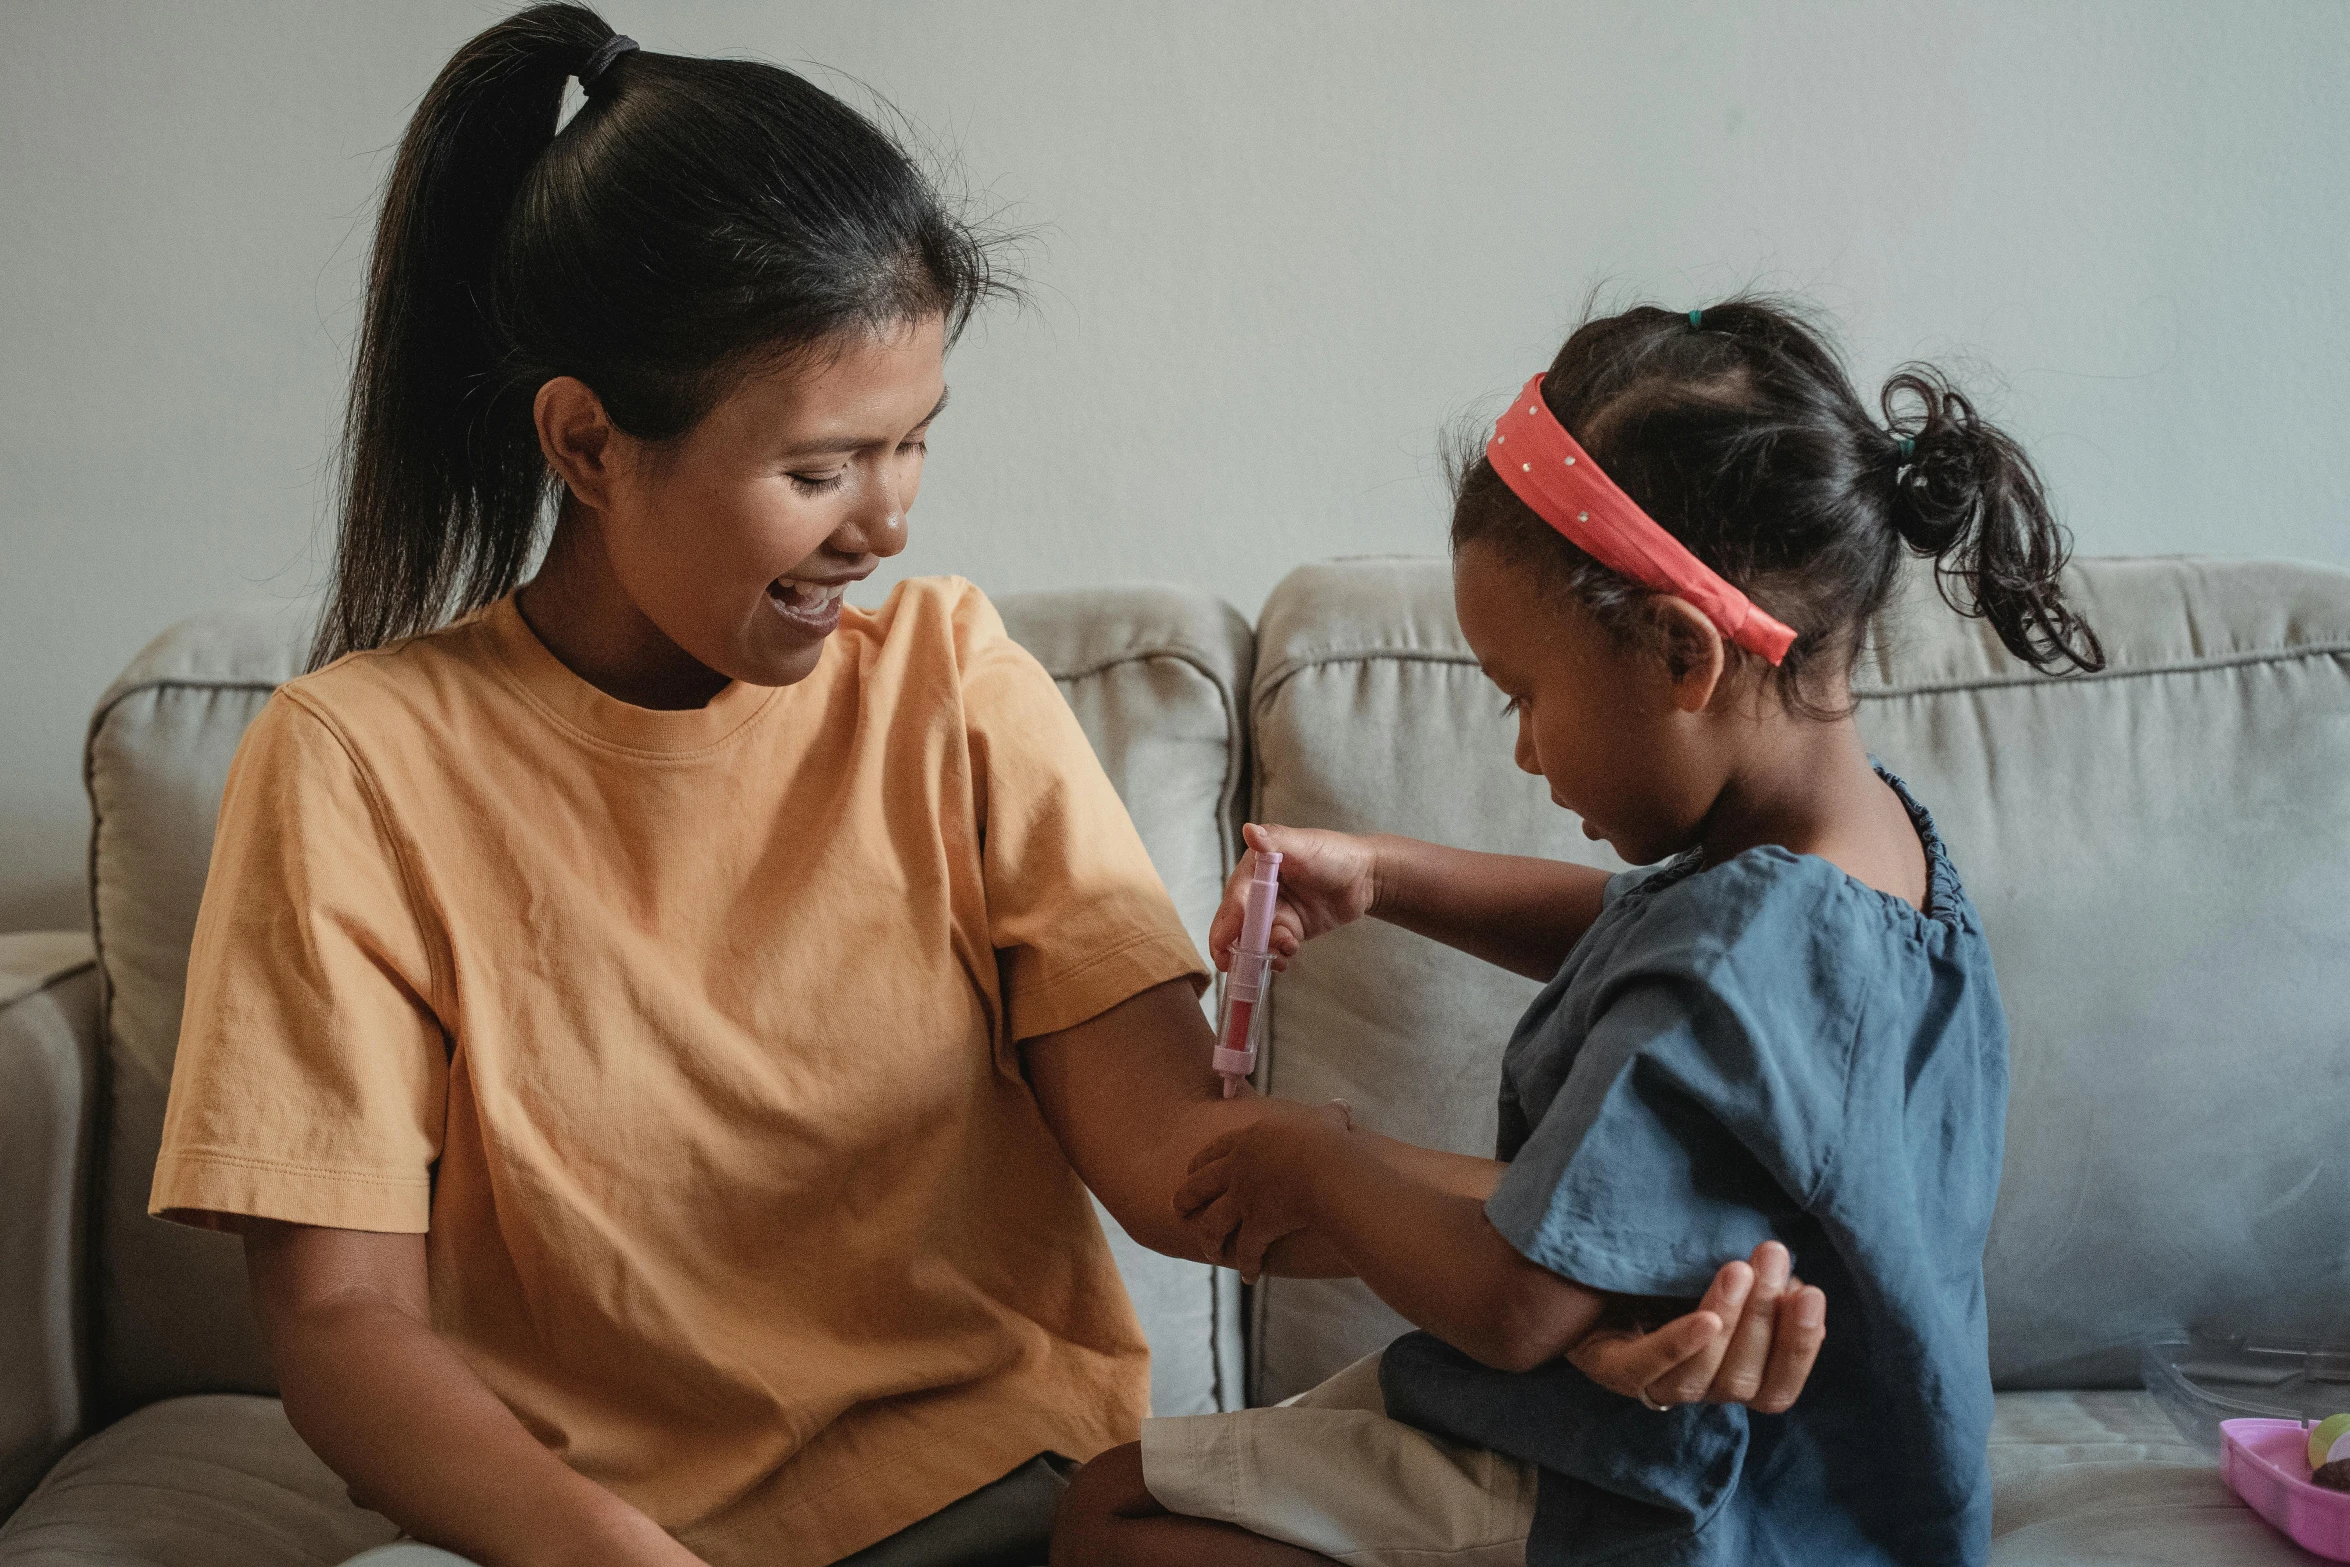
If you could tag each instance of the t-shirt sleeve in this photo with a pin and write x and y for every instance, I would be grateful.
(1681, 1139)
(1077, 914)
(311, 1079)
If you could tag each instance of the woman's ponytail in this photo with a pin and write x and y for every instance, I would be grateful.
(1966, 495)
(443, 480)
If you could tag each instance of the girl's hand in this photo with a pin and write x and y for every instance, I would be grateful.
(1326, 881)
(1251, 1187)
(1751, 1341)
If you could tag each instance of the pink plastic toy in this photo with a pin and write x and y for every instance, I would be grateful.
(1252, 971)
(2266, 1462)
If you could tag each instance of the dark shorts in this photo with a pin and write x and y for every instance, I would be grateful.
(1005, 1523)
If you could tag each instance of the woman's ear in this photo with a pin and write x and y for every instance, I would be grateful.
(576, 437)
(1694, 654)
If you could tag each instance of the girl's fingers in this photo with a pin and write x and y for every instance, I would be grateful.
(1729, 1297)
(1201, 1187)
(1215, 1150)
(1740, 1375)
(1223, 931)
(1803, 1327)
(1217, 1227)
(1627, 1363)
(1248, 1251)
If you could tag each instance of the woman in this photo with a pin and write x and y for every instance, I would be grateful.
(651, 1029)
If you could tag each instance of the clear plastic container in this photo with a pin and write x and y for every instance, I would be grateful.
(2201, 1379)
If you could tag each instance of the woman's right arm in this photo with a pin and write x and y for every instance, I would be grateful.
(1512, 910)
(406, 1423)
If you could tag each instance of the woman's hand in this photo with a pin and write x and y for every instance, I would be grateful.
(1752, 1340)
(1251, 1187)
(1326, 881)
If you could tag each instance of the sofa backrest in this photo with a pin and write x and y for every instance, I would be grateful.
(1156, 676)
(2161, 855)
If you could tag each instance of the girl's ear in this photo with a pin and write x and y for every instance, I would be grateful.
(576, 437)
(1694, 655)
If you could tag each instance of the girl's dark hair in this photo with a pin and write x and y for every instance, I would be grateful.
(1738, 431)
(694, 220)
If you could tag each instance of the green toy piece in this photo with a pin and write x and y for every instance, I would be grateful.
(2329, 1444)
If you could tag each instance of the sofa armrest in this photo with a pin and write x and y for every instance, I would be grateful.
(48, 1105)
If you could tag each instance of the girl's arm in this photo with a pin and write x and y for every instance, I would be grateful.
(1432, 1254)
(1428, 1252)
(1136, 1106)
(1516, 911)
(406, 1423)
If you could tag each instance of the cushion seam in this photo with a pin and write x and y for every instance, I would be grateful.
(1270, 683)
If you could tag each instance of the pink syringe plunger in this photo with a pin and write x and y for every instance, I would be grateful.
(1251, 970)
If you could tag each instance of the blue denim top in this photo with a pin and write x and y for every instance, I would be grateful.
(1760, 1048)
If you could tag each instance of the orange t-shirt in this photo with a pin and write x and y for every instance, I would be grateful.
(689, 1038)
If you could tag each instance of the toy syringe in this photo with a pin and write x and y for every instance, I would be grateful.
(1251, 972)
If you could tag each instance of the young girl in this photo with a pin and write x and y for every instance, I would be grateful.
(1788, 1031)
(650, 1030)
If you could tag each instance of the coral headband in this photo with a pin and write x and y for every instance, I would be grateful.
(1550, 472)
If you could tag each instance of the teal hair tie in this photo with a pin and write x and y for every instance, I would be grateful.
(1697, 319)
(1904, 445)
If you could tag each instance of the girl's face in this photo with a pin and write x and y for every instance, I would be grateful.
(1599, 721)
(736, 540)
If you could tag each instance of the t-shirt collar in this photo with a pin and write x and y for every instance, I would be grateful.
(575, 704)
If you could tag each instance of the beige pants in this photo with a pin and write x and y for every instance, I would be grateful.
(1330, 1472)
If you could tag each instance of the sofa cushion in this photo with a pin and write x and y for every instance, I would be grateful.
(48, 1093)
(223, 1481)
(2092, 1479)
(1155, 676)
(2158, 854)
(2081, 1478)
(214, 1481)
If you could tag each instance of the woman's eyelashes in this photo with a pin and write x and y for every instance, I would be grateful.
(1514, 706)
(819, 483)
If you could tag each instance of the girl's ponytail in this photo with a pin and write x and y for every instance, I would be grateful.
(443, 479)
(1966, 495)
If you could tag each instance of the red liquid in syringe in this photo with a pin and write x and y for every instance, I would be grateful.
(1250, 972)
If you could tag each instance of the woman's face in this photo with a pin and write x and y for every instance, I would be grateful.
(1596, 720)
(737, 539)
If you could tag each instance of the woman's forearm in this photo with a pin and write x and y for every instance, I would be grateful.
(1512, 910)
(418, 1438)
(408, 1425)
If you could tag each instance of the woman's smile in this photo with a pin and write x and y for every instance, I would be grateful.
(812, 608)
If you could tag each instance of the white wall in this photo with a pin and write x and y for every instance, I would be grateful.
(1280, 244)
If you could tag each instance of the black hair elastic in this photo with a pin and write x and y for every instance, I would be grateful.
(598, 63)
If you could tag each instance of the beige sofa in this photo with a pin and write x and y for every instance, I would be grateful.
(2161, 855)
